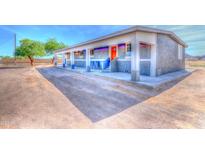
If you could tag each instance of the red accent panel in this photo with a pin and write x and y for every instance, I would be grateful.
(113, 52)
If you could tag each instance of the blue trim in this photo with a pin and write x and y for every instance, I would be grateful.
(105, 47)
(121, 44)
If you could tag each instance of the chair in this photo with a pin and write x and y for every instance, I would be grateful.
(106, 63)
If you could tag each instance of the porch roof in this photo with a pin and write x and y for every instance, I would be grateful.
(129, 30)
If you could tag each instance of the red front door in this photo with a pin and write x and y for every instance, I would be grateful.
(113, 52)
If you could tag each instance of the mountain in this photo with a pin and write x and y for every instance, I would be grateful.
(190, 57)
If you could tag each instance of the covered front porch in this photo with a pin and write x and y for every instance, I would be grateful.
(133, 54)
(99, 58)
(114, 58)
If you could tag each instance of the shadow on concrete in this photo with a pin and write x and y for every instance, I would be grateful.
(11, 67)
(95, 97)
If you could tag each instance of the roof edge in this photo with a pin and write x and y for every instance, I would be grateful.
(129, 30)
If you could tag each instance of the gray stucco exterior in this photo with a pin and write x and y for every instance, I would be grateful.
(80, 63)
(118, 65)
(124, 66)
(113, 65)
(145, 68)
(167, 55)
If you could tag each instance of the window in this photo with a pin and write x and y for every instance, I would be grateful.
(121, 46)
(180, 52)
(68, 55)
(79, 54)
(129, 47)
(121, 50)
(145, 51)
(92, 52)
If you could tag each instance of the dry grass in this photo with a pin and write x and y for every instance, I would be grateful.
(24, 62)
(195, 63)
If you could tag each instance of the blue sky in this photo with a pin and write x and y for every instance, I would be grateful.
(194, 36)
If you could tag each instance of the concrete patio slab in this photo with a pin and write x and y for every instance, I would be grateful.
(147, 81)
(156, 82)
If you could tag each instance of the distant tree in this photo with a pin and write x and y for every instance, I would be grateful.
(52, 44)
(30, 48)
(5, 57)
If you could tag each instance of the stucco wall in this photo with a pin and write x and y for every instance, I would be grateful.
(119, 65)
(124, 66)
(145, 67)
(80, 63)
(167, 55)
(113, 65)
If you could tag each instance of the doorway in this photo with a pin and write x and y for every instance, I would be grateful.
(113, 52)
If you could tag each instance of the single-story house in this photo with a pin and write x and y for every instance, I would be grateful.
(137, 50)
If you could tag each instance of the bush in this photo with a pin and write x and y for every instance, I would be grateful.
(6, 57)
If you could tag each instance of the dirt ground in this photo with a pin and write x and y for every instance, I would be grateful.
(27, 100)
(47, 98)
(182, 106)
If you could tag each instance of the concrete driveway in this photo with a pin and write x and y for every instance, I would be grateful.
(96, 97)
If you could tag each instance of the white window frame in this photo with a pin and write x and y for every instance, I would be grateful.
(180, 51)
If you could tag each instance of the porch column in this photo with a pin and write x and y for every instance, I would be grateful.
(72, 59)
(87, 60)
(55, 59)
(153, 60)
(135, 68)
(63, 59)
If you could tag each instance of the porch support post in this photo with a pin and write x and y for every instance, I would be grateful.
(135, 68)
(154, 58)
(55, 59)
(63, 60)
(87, 60)
(72, 59)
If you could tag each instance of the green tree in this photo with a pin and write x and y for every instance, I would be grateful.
(52, 44)
(30, 48)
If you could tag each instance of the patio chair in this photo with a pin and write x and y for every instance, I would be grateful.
(106, 63)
